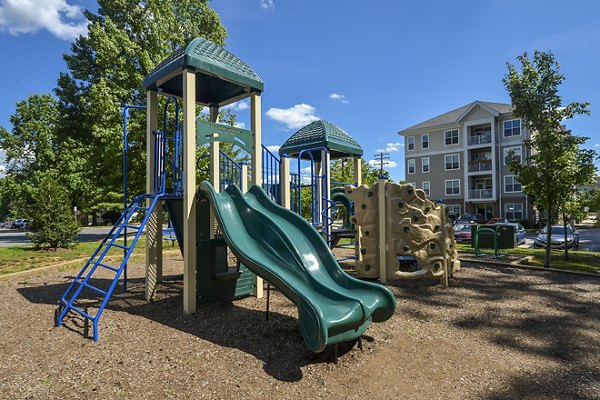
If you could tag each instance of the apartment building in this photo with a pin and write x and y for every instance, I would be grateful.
(460, 157)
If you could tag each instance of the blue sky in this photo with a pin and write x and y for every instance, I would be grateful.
(372, 68)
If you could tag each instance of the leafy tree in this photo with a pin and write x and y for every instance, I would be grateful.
(554, 164)
(53, 223)
(30, 147)
(343, 171)
(126, 40)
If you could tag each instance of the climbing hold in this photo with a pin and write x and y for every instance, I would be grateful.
(427, 209)
(410, 190)
(366, 233)
(436, 228)
(416, 218)
(406, 248)
(369, 194)
(401, 203)
(436, 267)
(363, 206)
(363, 251)
(406, 228)
(431, 245)
(368, 267)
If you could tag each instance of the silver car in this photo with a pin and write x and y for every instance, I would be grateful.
(557, 237)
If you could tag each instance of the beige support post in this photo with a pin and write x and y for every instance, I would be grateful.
(319, 190)
(358, 181)
(444, 278)
(214, 167)
(189, 191)
(284, 182)
(381, 215)
(154, 224)
(244, 179)
(256, 126)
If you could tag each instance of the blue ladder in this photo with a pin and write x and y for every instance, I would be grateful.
(82, 280)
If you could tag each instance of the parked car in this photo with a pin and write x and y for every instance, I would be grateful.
(23, 224)
(497, 220)
(18, 223)
(462, 233)
(557, 239)
(470, 219)
(520, 232)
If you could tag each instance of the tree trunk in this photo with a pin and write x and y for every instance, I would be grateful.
(548, 235)
(94, 218)
(565, 232)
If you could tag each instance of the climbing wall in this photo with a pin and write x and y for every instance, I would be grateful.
(417, 234)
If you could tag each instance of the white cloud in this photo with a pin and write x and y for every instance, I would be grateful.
(386, 163)
(597, 146)
(294, 117)
(240, 125)
(390, 148)
(273, 148)
(267, 4)
(339, 97)
(239, 106)
(61, 19)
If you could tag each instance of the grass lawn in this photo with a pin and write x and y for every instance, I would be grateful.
(23, 258)
(586, 261)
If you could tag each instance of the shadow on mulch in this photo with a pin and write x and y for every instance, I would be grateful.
(277, 342)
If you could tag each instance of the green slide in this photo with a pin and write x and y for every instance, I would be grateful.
(286, 251)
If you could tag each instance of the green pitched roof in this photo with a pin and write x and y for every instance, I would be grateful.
(321, 134)
(221, 77)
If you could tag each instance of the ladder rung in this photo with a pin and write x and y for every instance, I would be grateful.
(81, 312)
(109, 267)
(132, 227)
(120, 246)
(94, 288)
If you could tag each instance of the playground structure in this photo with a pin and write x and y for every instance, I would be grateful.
(269, 241)
(405, 235)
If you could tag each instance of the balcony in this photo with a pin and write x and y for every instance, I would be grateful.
(474, 140)
(481, 194)
(480, 166)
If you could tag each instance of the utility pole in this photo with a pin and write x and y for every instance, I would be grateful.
(383, 160)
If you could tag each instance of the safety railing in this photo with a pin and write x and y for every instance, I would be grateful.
(230, 172)
(270, 174)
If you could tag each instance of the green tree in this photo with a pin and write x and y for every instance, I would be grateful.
(343, 171)
(126, 40)
(53, 222)
(554, 164)
(31, 146)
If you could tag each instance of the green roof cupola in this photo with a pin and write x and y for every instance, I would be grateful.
(321, 134)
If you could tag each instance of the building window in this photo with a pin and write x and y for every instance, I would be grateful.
(425, 165)
(452, 187)
(513, 153)
(425, 141)
(453, 210)
(426, 187)
(451, 137)
(411, 166)
(513, 211)
(512, 128)
(410, 143)
(511, 184)
(452, 161)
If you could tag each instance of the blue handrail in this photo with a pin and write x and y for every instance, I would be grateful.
(270, 174)
(230, 171)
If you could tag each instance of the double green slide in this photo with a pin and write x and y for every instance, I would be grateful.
(286, 251)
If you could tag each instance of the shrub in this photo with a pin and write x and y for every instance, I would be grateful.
(53, 222)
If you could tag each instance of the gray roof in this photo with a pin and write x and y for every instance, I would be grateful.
(454, 115)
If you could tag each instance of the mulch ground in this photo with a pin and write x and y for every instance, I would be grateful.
(495, 333)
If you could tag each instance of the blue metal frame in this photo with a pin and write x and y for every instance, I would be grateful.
(270, 174)
(230, 172)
